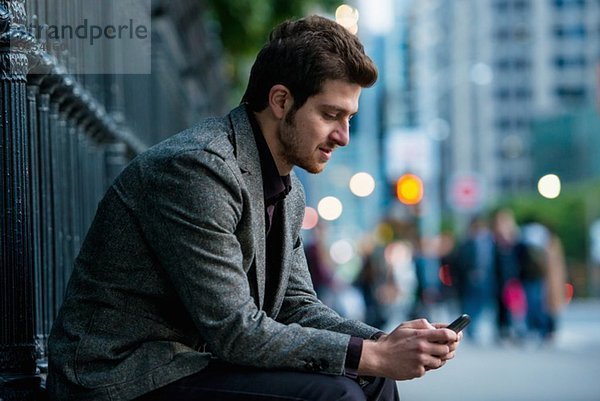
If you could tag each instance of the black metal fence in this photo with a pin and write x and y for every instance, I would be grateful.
(64, 137)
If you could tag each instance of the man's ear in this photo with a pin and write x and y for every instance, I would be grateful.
(280, 100)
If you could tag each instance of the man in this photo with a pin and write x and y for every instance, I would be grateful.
(192, 282)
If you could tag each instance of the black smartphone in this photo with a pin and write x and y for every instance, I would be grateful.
(460, 323)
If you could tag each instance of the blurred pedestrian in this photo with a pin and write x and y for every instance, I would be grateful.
(556, 280)
(333, 291)
(388, 281)
(377, 285)
(427, 261)
(319, 266)
(474, 273)
(511, 305)
(533, 261)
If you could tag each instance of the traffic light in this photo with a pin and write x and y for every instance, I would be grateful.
(409, 189)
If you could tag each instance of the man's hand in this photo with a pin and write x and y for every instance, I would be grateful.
(409, 351)
(453, 344)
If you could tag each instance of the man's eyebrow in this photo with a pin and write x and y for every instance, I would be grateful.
(338, 109)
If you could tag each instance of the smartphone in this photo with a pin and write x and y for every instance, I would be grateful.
(460, 323)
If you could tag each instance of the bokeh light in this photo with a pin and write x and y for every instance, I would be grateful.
(341, 251)
(311, 218)
(569, 292)
(397, 253)
(330, 208)
(362, 184)
(549, 186)
(347, 17)
(409, 189)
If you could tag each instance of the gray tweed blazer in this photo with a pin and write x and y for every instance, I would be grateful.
(172, 274)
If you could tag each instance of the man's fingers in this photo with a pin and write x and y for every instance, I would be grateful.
(438, 350)
(449, 356)
(435, 363)
(453, 346)
(443, 326)
(417, 324)
(441, 336)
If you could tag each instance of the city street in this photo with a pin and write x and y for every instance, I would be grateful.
(564, 371)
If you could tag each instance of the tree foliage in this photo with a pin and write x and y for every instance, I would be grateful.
(569, 215)
(245, 24)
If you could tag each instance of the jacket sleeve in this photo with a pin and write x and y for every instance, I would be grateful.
(191, 211)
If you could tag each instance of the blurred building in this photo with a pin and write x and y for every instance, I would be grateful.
(482, 72)
(467, 91)
(567, 145)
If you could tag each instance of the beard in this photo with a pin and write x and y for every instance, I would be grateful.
(294, 150)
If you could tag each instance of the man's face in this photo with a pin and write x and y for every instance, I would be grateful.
(309, 135)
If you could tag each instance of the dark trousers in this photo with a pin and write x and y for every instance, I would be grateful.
(225, 382)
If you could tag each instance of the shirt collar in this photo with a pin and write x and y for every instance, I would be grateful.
(275, 187)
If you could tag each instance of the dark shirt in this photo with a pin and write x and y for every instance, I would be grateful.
(276, 188)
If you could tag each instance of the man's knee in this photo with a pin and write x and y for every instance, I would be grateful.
(336, 388)
(381, 389)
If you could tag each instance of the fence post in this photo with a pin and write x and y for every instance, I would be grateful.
(18, 378)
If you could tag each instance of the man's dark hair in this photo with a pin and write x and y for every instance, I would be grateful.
(302, 55)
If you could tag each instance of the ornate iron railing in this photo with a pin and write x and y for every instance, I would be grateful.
(64, 136)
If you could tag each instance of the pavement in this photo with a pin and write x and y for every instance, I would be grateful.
(568, 369)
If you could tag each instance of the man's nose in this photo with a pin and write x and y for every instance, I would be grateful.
(341, 136)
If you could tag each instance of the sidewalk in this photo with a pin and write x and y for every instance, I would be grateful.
(566, 370)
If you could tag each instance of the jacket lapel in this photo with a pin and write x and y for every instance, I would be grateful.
(286, 258)
(249, 163)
